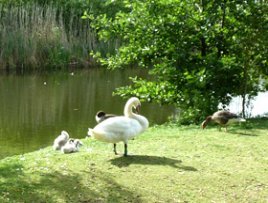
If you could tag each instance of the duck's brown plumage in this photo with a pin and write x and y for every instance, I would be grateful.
(223, 118)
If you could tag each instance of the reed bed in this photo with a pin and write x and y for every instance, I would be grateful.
(35, 35)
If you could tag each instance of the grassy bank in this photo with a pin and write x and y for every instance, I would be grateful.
(166, 164)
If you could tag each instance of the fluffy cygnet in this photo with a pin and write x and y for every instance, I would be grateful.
(61, 140)
(71, 146)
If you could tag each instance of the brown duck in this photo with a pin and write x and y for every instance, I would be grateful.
(223, 118)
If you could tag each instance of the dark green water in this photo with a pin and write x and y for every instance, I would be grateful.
(35, 108)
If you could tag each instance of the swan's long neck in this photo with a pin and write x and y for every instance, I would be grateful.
(128, 110)
(129, 113)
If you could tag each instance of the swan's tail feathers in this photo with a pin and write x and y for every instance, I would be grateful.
(236, 120)
(89, 132)
(65, 134)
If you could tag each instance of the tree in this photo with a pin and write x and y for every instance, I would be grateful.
(192, 50)
(249, 44)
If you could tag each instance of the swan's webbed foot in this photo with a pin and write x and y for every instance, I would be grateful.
(115, 152)
(125, 154)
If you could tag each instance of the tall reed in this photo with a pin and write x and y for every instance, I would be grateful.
(34, 35)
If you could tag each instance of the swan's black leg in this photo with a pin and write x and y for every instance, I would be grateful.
(125, 154)
(115, 152)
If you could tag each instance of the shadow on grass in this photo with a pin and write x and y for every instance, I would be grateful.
(57, 186)
(8, 170)
(251, 127)
(257, 123)
(150, 160)
(243, 133)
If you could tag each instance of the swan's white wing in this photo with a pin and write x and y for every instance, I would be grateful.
(117, 129)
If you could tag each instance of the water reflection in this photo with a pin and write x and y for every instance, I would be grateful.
(34, 108)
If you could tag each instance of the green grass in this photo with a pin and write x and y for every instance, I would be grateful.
(166, 164)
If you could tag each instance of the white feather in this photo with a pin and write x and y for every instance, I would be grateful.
(71, 146)
(235, 120)
(117, 129)
(121, 128)
(61, 140)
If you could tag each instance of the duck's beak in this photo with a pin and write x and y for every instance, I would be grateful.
(203, 125)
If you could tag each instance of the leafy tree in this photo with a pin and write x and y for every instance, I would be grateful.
(198, 53)
(248, 43)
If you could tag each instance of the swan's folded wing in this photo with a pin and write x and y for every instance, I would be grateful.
(116, 129)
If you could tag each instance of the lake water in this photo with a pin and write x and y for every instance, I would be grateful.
(35, 108)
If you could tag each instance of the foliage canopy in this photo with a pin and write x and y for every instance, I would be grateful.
(199, 53)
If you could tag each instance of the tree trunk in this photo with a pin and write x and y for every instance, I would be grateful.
(244, 86)
(243, 105)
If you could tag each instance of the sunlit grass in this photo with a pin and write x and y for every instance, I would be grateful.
(166, 164)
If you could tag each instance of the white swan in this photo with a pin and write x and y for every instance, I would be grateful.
(99, 117)
(61, 140)
(71, 146)
(121, 128)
